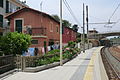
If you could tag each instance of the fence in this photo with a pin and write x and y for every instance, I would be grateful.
(34, 61)
(6, 63)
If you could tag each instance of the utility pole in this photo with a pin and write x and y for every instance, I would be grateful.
(41, 12)
(61, 33)
(83, 30)
(87, 26)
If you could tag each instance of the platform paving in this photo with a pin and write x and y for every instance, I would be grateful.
(76, 69)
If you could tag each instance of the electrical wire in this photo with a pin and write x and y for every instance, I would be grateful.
(71, 12)
(114, 11)
(112, 16)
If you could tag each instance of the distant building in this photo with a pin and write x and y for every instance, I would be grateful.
(68, 35)
(43, 28)
(6, 7)
(92, 31)
(92, 34)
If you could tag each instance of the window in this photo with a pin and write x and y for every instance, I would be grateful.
(1, 20)
(34, 41)
(51, 27)
(57, 29)
(18, 25)
(7, 6)
(1, 3)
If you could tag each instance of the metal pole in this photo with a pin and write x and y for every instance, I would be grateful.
(83, 30)
(61, 33)
(87, 25)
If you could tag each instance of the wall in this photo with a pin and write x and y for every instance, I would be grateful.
(34, 19)
(68, 35)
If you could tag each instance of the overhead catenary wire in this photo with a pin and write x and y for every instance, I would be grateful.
(114, 11)
(113, 14)
(71, 12)
(116, 22)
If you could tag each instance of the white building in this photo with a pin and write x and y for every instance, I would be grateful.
(6, 7)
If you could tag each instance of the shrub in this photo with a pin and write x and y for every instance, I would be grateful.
(71, 44)
(14, 43)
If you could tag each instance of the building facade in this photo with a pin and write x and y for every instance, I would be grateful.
(43, 28)
(68, 35)
(6, 7)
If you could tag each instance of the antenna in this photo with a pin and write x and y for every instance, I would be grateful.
(41, 5)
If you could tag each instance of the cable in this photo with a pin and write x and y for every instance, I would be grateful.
(113, 15)
(71, 12)
(116, 22)
(114, 11)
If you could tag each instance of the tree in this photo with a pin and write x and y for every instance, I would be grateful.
(14, 43)
(56, 17)
(66, 23)
(75, 27)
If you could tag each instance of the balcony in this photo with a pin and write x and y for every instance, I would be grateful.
(38, 32)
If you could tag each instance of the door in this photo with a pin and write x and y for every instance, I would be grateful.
(18, 26)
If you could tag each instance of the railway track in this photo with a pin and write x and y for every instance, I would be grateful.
(111, 71)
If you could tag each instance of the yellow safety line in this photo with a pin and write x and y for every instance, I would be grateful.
(89, 72)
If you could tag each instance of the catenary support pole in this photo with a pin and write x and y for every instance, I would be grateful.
(61, 33)
(83, 30)
(87, 26)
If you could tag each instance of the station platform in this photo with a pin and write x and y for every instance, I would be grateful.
(86, 66)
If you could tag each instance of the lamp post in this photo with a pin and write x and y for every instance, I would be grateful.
(61, 33)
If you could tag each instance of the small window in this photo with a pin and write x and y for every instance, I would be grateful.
(51, 27)
(57, 29)
(7, 6)
(1, 3)
(34, 41)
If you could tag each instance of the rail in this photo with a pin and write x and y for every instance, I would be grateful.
(113, 62)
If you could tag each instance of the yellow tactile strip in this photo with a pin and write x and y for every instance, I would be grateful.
(89, 72)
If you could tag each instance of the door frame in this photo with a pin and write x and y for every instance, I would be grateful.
(15, 23)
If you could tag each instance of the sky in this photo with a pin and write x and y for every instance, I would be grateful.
(99, 12)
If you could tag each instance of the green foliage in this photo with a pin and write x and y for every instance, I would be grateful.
(66, 23)
(78, 40)
(75, 27)
(56, 17)
(70, 52)
(71, 44)
(14, 43)
(53, 52)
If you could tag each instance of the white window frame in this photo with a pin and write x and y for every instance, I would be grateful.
(51, 27)
(57, 28)
(15, 24)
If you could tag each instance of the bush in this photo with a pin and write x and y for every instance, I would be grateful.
(71, 44)
(53, 52)
(14, 43)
